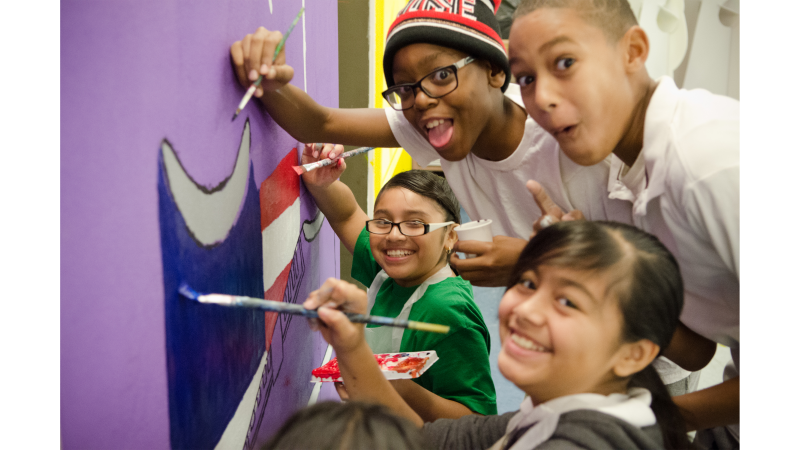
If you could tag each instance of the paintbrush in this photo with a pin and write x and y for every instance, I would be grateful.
(326, 162)
(253, 87)
(291, 308)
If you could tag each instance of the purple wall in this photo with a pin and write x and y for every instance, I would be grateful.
(132, 74)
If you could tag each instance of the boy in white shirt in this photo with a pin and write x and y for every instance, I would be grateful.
(675, 158)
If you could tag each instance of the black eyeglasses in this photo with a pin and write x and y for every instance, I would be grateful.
(436, 84)
(411, 228)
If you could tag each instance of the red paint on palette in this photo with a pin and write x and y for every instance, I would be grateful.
(388, 362)
(329, 370)
(411, 365)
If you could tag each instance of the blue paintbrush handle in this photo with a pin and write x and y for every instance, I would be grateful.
(291, 308)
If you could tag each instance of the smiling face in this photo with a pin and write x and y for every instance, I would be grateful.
(453, 123)
(574, 81)
(410, 260)
(560, 331)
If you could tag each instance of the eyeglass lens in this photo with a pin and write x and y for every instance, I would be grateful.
(435, 85)
(406, 228)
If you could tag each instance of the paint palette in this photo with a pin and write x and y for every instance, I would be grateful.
(395, 366)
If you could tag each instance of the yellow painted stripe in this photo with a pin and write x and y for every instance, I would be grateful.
(379, 83)
(388, 161)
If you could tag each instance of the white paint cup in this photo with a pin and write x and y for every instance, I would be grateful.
(478, 230)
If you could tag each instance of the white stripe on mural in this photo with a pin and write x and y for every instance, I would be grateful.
(209, 216)
(318, 384)
(278, 241)
(236, 432)
(305, 66)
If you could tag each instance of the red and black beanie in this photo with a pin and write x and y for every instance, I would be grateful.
(469, 26)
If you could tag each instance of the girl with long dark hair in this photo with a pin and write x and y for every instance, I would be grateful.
(589, 306)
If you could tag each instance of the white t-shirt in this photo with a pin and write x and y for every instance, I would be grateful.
(684, 187)
(496, 189)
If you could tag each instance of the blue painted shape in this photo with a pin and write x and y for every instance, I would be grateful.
(213, 352)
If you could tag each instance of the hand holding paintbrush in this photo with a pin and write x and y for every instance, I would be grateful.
(333, 157)
(334, 326)
(325, 295)
(260, 62)
(322, 177)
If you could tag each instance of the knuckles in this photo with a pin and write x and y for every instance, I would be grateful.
(240, 50)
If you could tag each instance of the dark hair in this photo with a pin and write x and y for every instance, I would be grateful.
(345, 426)
(614, 17)
(430, 185)
(649, 288)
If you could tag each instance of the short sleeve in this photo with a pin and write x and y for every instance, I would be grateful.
(412, 142)
(364, 268)
(463, 372)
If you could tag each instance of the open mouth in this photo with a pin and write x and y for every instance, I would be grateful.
(440, 131)
(398, 253)
(567, 131)
(526, 343)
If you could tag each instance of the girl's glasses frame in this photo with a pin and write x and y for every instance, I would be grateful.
(409, 228)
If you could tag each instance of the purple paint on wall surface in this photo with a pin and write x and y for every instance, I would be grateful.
(132, 75)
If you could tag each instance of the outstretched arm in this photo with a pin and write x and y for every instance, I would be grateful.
(334, 198)
(362, 377)
(361, 374)
(428, 405)
(294, 110)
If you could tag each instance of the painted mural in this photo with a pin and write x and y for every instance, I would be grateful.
(164, 189)
(219, 240)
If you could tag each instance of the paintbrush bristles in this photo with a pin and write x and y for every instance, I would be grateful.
(431, 327)
(217, 299)
(188, 292)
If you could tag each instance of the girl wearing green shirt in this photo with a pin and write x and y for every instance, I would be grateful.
(402, 255)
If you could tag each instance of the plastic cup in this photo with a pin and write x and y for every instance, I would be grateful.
(478, 230)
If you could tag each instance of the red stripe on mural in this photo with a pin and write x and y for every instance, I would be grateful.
(275, 293)
(279, 190)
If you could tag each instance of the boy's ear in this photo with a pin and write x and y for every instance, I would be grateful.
(636, 48)
(635, 356)
(497, 77)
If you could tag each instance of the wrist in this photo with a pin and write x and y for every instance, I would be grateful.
(319, 191)
(354, 355)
